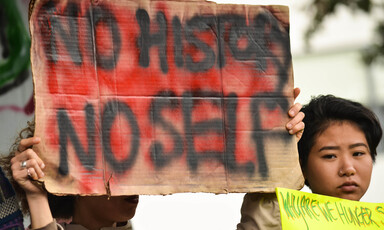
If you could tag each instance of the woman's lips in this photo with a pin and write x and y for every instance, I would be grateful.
(348, 187)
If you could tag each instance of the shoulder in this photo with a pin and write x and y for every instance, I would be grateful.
(260, 211)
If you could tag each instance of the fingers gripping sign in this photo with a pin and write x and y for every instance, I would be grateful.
(296, 124)
(27, 165)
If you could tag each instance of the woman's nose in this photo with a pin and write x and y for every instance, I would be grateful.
(346, 167)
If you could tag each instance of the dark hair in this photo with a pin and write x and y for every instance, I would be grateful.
(61, 206)
(321, 111)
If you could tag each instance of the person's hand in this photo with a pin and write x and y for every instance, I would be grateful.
(27, 166)
(295, 125)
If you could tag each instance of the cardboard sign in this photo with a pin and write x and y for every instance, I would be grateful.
(159, 97)
(301, 210)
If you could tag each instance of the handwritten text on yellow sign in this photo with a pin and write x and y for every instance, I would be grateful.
(301, 210)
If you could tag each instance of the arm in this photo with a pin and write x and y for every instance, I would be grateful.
(27, 167)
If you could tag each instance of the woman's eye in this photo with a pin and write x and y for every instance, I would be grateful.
(356, 154)
(329, 156)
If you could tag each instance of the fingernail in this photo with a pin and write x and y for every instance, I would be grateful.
(42, 174)
(289, 126)
(291, 131)
(291, 112)
(42, 165)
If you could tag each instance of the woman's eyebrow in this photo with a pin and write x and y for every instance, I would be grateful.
(337, 147)
(358, 145)
(329, 148)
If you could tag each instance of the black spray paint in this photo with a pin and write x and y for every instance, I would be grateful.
(224, 127)
(64, 26)
(226, 29)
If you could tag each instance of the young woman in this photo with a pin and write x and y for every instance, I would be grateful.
(336, 151)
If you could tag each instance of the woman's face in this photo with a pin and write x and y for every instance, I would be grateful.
(339, 163)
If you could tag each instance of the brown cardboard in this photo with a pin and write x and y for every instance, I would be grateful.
(161, 97)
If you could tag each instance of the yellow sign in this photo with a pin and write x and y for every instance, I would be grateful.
(301, 210)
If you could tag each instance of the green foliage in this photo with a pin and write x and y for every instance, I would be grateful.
(321, 9)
